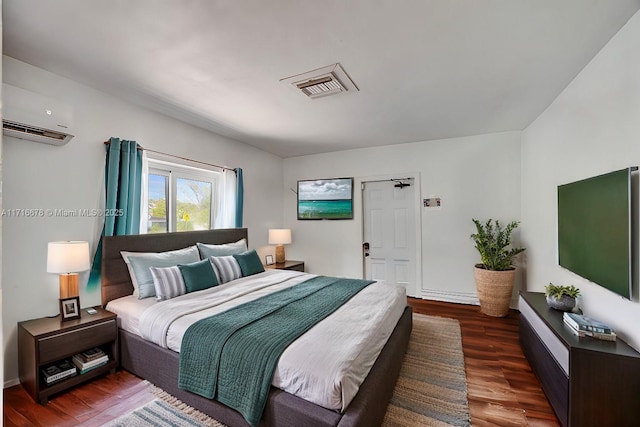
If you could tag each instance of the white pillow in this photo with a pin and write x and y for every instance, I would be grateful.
(226, 268)
(207, 250)
(139, 263)
(168, 282)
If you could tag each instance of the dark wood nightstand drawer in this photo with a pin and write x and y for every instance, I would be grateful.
(65, 344)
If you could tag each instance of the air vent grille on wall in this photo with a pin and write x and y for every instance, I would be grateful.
(325, 81)
(18, 130)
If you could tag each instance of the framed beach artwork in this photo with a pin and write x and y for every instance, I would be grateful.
(325, 199)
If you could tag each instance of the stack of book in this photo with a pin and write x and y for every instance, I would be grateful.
(586, 327)
(58, 372)
(90, 359)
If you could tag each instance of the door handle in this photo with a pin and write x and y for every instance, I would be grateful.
(365, 248)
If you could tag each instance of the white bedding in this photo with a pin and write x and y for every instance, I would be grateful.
(326, 365)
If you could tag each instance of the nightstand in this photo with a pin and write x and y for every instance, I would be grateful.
(46, 341)
(287, 265)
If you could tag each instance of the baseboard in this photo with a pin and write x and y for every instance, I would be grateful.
(449, 296)
(458, 297)
(11, 383)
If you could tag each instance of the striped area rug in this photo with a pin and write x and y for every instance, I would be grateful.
(431, 389)
(161, 413)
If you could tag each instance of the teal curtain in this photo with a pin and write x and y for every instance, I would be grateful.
(239, 197)
(123, 180)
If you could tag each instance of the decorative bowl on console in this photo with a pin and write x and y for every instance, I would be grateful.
(560, 297)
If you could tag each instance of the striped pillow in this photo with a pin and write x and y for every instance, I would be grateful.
(168, 282)
(226, 268)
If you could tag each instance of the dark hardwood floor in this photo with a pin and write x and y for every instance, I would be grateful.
(502, 389)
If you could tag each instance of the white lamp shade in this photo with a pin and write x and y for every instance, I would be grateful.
(67, 257)
(279, 236)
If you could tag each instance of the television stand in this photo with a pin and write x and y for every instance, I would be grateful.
(589, 382)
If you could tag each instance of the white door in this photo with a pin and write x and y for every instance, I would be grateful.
(389, 246)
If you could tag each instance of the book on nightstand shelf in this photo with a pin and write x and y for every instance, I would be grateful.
(585, 327)
(90, 359)
(57, 372)
(90, 368)
(91, 354)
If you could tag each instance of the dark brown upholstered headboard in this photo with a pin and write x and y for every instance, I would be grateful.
(116, 281)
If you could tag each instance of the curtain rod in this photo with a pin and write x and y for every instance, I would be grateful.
(179, 157)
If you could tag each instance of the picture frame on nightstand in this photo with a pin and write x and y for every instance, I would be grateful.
(269, 260)
(70, 308)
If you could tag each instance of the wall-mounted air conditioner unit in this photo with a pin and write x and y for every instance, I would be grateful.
(34, 117)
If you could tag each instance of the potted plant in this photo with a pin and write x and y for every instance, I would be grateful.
(496, 273)
(561, 297)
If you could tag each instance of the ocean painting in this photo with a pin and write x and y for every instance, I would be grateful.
(325, 199)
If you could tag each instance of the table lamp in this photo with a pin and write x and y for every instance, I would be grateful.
(67, 259)
(279, 237)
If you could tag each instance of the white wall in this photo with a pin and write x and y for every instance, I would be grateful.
(70, 177)
(593, 127)
(477, 177)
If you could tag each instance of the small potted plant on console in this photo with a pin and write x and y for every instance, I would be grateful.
(561, 297)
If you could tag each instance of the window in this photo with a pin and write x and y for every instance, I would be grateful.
(179, 198)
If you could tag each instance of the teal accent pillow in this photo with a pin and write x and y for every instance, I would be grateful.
(198, 275)
(249, 262)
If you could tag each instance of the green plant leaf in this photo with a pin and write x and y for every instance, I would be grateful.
(558, 291)
(491, 240)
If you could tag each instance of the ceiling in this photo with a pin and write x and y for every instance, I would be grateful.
(426, 69)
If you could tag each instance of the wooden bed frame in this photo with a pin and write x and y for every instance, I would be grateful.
(160, 366)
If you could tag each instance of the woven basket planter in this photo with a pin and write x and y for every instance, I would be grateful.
(494, 290)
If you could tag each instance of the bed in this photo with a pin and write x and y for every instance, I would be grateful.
(160, 365)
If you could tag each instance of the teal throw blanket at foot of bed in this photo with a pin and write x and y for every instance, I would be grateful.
(232, 356)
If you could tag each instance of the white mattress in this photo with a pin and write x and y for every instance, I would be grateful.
(325, 366)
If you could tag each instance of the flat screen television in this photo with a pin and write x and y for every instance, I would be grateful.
(594, 230)
(325, 199)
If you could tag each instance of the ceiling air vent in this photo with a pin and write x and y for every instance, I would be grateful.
(325, 81)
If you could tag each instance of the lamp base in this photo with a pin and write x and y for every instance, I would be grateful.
(68, 285)
(279, 254)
